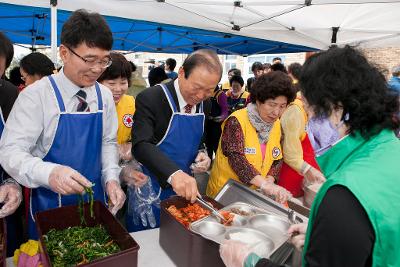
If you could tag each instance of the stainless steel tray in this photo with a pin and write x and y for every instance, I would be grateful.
(234, 191)
(253, 226)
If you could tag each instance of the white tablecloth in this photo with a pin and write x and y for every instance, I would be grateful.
(150, 253)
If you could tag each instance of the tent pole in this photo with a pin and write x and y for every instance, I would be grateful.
(53, 7)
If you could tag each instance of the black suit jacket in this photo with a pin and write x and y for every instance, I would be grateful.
(151, 120)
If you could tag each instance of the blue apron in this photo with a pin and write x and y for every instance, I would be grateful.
(180, 143)
(77, 144)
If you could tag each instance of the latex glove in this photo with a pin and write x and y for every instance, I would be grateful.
(314, 176)
(280, 194)
(298, 235)
(201, 163)
(65, 180)
(185, 186)
(234, 253)
(125, 151)
(11, 196)
(116, 196)
(132, 175)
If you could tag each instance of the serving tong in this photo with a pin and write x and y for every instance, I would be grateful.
(214, 212)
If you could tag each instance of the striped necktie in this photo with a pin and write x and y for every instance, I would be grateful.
(83, 105)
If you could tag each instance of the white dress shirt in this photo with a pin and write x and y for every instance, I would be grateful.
(32, 124)
(182, 102)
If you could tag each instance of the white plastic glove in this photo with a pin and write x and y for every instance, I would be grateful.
(141, 201)
(298, 235)
(132, 175)
(116, 196)
(11, 196)
(280, 194)
(313, 176)
(125, 151)
(65, 180)
(234, 253)
(201, 163)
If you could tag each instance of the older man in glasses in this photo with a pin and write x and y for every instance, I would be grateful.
(60, 137)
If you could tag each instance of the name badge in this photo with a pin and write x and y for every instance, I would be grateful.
(250, 150)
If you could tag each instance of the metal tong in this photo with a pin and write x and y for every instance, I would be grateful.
(214, 212)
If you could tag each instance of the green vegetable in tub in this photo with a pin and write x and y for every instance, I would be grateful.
(89, 192)
(78, 245)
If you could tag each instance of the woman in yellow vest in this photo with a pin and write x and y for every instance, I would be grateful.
(236, 96)
(298, 154)
(354, 220)
(250, 147)
(117, 78)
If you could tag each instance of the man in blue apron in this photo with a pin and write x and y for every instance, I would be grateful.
(61, 134)
(10, 191)
(168, 129)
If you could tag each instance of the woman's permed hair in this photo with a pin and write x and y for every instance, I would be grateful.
(343, 78)
(272, 85)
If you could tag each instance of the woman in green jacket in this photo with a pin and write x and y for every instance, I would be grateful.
(355, 218)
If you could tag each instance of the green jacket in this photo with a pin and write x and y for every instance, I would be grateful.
(370, 169)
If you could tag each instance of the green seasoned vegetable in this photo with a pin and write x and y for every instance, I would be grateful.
(78, 245)
(81, 209)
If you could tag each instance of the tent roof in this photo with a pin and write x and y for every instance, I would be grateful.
(31, 25)
(309, 23)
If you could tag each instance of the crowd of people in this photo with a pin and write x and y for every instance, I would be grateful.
(331, 121)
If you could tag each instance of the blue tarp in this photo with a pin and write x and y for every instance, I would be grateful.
(31, 26)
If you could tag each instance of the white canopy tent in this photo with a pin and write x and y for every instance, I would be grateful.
(318, 23)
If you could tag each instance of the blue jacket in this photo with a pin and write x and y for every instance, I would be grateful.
(394, 84)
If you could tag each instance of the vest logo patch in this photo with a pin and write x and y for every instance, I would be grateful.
(250, 150)
(128, 120)
(276, 152)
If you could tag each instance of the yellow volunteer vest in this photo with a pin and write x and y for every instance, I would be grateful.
(221, 171)
(297, 102)
(125, 110)
(226, 86)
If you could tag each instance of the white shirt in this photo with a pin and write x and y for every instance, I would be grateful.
(32, 124)
(182, 102)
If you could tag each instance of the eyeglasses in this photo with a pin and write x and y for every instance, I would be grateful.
(92, 61)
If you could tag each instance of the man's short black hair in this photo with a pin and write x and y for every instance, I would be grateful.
(120, 68)
(278, 67)
(203, 57)
(6, 49)
(156, 76)
(295, 70)
(235, 71)
(171, 63)
(37, 64)
(89, 28)
(238, 79)
(276, 59)
(257, 66)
